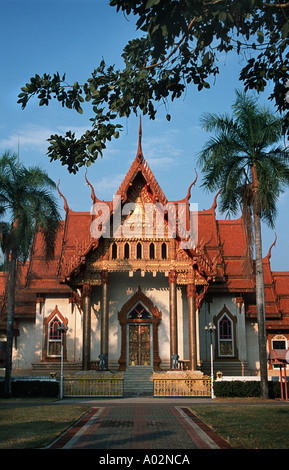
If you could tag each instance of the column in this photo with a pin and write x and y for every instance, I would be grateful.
(173, 315)
(104, 321)
(191, 295)
(241, 338)
(86, 308)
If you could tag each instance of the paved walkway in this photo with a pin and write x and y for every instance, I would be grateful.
(139, 425)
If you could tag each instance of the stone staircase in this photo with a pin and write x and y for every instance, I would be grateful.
(138, 381)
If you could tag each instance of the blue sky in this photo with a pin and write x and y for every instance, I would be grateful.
(72, 36)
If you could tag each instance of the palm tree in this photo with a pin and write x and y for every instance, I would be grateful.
(246, 160)
(28, 205)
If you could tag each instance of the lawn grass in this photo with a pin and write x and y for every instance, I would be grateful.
(24, 426)
(248, 426)
(27, 425)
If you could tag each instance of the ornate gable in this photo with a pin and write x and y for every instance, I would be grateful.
(145, 236)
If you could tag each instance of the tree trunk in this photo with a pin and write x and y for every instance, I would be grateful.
(10, 322)
(260, 290)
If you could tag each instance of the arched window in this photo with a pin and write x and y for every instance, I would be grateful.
(114, 251)
(164, 251)
(54, 337)
(225, 336)
(139, 251)
(152, 251)
(126, 251)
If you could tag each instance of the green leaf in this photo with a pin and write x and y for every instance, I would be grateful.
(285, 29)
(223, 16)
(164, 30)
(151, 3)
(260, 37)
(206, 58)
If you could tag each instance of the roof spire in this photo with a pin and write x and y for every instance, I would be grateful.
(139, 150)
(66, 208)
(270, 249)
(214, 206)
(93, 196)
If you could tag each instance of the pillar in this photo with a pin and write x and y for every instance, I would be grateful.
(86, 308)
(173, 314)
(104, 320)
(191, 295)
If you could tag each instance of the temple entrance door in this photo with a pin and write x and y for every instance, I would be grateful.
(139, 341)
(139, 319)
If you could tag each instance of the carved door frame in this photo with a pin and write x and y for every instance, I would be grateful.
(154, 321)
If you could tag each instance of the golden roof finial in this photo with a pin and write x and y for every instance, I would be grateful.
(139, 150)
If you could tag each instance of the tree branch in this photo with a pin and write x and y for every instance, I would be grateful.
(174, 50)
(277, 5)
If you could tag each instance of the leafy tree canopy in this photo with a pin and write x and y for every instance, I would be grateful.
(180, 43)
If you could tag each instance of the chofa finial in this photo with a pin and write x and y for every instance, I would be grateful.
(139, 150)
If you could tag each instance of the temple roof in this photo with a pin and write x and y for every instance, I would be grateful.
(218, 255)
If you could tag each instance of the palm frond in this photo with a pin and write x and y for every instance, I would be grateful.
(26, 195)
(245, 139)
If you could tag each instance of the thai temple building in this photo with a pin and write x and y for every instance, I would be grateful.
(135, 282)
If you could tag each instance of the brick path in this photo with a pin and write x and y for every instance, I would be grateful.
(143, 426)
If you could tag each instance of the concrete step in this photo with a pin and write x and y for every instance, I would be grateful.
(138, 381)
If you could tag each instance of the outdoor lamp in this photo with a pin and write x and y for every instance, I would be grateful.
(62, 328)
(210, 328)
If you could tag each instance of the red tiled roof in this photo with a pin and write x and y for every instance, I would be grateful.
(221, 248)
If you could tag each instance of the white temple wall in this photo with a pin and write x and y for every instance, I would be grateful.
(211, 309)
(23, 355)
(30, 343)
(252, 344)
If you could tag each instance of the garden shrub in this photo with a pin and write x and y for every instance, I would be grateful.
(239, 388)
(32, 388)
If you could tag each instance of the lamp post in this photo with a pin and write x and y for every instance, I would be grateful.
(62, 330)
(210, 328)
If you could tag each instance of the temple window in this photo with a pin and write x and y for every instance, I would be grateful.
(126, 251)
(152, 251)
(54, 337)
(225, 336)
(164, 251)
(114, 251)
(139, 251)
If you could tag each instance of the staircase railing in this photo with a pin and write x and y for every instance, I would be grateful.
(186, 387)
(93, 387)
